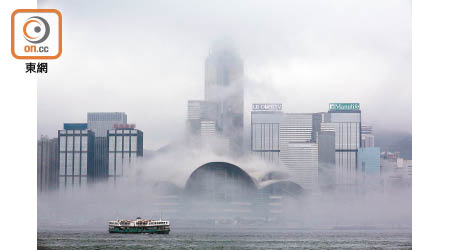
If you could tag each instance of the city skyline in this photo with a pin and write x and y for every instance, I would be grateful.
(295, 66)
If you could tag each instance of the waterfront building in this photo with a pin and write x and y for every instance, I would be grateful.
(301, 160)
(76, 155)
(346, 120)
(100, 122)
(47, 164)
(265, 131)
(298, 151)
(125, 146)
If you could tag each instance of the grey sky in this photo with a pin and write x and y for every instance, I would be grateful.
(146, 58)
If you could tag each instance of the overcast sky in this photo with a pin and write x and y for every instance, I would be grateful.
(146, 58)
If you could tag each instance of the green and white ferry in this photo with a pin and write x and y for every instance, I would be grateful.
(140, 226)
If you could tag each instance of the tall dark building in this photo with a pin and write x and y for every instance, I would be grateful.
(224, 72)
(125, 146)
(47, 164)
(76, 155)
(327, 165)
(101, 158)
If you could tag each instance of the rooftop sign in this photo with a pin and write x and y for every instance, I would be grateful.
(75, 126)
(116, 126)
(344, 106)
(267, 107)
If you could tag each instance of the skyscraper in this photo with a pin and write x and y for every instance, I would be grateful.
(298, 151)
(100, 122)
(224, 72)
(125, 145)
(265, 131)
(345, 118)
(47, 164)
(76, 155)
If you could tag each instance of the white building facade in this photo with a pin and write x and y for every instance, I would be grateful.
(298, 152)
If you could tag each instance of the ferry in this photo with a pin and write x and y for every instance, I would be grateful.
(140, 226)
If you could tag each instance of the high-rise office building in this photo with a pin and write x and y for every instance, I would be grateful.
(76, 155)
(295, 127)
(224, 72)
(265, 131)
(47, 164)
(298, 151)
(100, 122)
(346, 120)
(302, 162)
(125, 146)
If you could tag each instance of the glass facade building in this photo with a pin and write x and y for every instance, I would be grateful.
(47, 164)
(347, 128)
(125, 145)
(76, 156)
(265, 135)
(101, 158)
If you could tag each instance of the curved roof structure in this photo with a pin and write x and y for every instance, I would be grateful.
(220, 181)
(282, 188)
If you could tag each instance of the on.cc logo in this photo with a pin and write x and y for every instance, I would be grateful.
(36, 29)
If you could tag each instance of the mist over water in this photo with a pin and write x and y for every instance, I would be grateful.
(302, 54)
(156, 187)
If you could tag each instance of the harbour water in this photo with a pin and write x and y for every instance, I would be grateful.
(229, 239)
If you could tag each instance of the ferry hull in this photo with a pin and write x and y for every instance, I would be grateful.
(137, 230)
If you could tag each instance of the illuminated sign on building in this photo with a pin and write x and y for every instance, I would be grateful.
(268, 107)
(344, 106)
